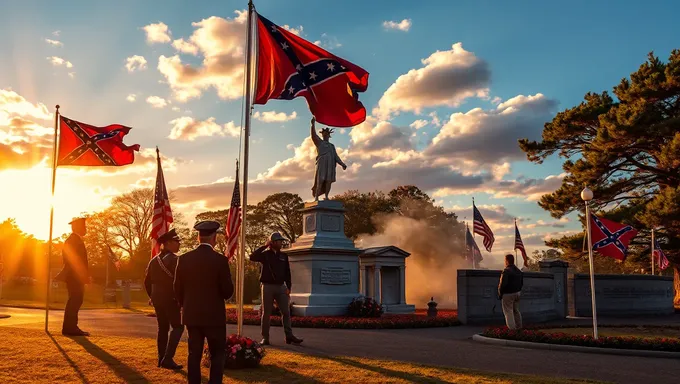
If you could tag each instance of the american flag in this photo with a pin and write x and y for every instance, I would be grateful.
(472, 252)
(114, 259)
(481, 228)
(233, 224)
(520, 245)
(659, 256)
(162, 214)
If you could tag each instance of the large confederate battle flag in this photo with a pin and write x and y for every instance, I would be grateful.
(289, 66)
(610, 238)
(86, 145)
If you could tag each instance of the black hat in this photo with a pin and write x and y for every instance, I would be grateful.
(167, 236)
(207, 227)
(276, 236)
(76, 219)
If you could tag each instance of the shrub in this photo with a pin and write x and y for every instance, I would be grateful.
(364, 307)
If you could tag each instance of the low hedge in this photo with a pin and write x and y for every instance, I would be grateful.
(619, 342)
(445, 318)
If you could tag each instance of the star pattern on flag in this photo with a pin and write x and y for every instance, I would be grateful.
(89, 144)
(611, 237)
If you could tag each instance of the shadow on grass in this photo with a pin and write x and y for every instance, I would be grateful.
(72, 363)
(410, 377)
(119, 368)
(269, 374)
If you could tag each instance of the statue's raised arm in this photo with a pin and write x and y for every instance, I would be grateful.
(315, 137)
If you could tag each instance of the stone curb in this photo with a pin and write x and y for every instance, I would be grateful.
(575, 348)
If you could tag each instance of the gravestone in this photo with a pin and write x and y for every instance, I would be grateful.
(324, 263)
(383, 277)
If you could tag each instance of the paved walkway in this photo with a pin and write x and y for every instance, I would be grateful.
(439, 346)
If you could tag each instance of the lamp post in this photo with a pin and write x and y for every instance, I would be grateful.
(587, 196)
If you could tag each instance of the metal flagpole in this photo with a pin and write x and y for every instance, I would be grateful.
(653, 248)
(49, 241)
(474, 266)
(587, 195)
(246, 146)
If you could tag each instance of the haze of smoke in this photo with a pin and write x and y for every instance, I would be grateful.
(431, 270)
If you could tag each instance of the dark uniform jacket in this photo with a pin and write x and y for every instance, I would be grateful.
(75, 261)
(275, 266)
(511, 281)
(160, 275)
(202, 284)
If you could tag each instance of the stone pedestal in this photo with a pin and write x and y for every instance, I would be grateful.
(324, 263)
(558, 269)
(386, 282)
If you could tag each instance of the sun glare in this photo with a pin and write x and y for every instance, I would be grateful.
(25, 196)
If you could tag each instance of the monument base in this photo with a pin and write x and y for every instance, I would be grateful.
(399, 308)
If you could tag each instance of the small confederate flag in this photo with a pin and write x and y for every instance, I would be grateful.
(610, 238)
(233, 224)
(289, 66)
(82, 144)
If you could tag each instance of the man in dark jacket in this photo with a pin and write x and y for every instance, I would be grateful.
(75, 275)
(276, 284)
(509, 290)
(202, 285)
(160, 275)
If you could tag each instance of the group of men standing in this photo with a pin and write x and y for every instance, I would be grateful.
(188, 291)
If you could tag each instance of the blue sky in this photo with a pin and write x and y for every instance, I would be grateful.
(557, 49)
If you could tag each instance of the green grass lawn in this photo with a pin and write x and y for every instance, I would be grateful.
(31, 356)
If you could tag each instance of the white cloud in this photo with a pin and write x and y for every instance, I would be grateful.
(56, 33)
(135, 63)
(131, 97)
(328, 42)
(418, 124)
(188, 128)
(157, 102)
(403, 25)
(11, 103)
(55, 43)
(185, 47)
(496, 100)
(58, 61)
(447, 78)
(221, 43)
(175, 109)
(157, 33)
(274, 117)
(72, 75)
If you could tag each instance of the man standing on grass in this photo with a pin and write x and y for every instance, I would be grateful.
(509, 290)
(202, 285)
(75, 275)
(160, 275)
(276, 285)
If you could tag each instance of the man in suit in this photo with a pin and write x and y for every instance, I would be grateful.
(160, 275)
(509, 290)
(202, 285)
(75, 275)
(276, 284)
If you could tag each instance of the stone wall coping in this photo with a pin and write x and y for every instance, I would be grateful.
(575, 348)
(497, 273)
(622, 277)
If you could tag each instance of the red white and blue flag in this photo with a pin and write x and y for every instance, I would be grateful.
(162, 214)
(610, 238)
(481, 228)
(659, 256)
(233, 225)
(289, 66)
(472, 252)
(520, 245)
(85, 145)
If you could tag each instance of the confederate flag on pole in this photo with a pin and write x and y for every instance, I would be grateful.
(289, 66)
(610, 238)
(82, 144)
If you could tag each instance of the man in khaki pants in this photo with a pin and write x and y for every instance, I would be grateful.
(276, 284)
(509, 290)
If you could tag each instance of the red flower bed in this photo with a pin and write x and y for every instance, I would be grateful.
(625, 342)
(445, 318)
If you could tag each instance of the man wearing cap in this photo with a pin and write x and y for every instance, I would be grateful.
(202, 285)
(75, 275)
(276, 284)
(160, 275)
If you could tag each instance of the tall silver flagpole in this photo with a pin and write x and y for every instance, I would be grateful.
(49, 241)
(246, 147)
(587, 196)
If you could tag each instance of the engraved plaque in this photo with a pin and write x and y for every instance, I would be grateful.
(487, 293)
(330, 223)
(559, 291)
(335, 276)
(537, 293)
(310, 223)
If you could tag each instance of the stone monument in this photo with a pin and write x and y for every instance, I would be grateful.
(324, 263)
(385, 281)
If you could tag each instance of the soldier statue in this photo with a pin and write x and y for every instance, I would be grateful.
(326, 160)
